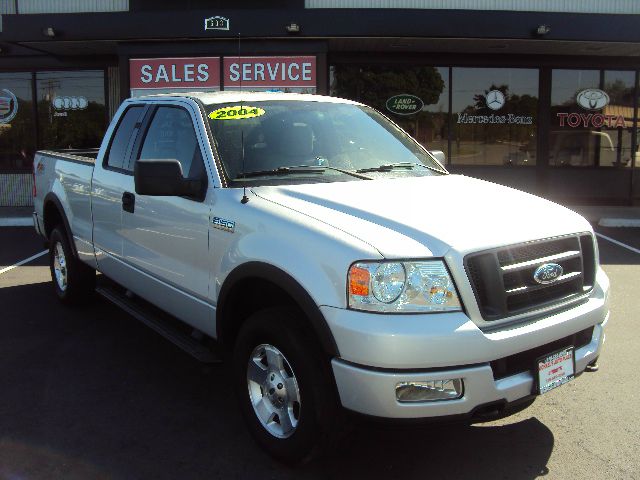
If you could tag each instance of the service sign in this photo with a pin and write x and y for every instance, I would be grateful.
(190, 73)
(270, 72)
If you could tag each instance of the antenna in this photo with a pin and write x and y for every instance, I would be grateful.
(245, 199)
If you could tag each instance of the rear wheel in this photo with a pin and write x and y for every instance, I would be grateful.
(284, 386)
(73, 281)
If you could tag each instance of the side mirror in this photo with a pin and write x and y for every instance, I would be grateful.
(440, 156)
(164, 178)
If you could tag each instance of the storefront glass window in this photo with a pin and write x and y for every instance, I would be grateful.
(17, 126)
(415, 97)
(619, 85)
(494, 116)
(71, 109)
(591, 118)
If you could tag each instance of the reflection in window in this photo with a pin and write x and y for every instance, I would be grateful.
(494, 116)
(616, 152)
(71, 108)
(423, 90)
(123, 137)
(17, 140)
(591, 118)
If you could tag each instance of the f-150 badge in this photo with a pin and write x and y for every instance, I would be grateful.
(223, 224)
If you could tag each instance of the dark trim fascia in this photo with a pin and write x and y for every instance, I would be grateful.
(325, 23)
(486, 60)
(44, 62)
(228, 47)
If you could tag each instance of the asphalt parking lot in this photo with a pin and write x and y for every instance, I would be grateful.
(90, 393)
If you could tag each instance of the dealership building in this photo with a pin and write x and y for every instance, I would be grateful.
(541, 95)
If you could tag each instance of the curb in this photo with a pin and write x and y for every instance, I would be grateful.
(619, 222)
(16, 222)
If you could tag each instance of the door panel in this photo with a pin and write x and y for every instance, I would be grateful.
(106, 194)
(166, 238)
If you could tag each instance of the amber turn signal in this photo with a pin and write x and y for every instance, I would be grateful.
(359, 281)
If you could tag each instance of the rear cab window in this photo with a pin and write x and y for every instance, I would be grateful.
(123, 138)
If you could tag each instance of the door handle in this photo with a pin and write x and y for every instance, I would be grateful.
(128, 202)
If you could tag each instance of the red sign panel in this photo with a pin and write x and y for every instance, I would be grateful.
(277, 72)
(189, 73)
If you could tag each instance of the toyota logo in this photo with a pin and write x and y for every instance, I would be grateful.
(548, 273)
(495, 99)
(592, 99)
(70, 103)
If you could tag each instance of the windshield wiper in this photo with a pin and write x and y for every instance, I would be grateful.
(299, 169)
(387, 167)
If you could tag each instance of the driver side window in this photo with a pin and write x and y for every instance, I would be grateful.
(171, 135)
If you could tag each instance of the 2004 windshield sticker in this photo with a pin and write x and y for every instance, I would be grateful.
(236, 112)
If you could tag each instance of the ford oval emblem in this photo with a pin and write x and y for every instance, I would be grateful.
(548, 273)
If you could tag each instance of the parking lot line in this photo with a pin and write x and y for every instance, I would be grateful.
(22, 262)
(612, 240)
(16, 222)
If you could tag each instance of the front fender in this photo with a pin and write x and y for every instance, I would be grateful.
(305, 257)
(316, 255)
(272, 274)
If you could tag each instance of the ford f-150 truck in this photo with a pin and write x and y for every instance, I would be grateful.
(333, 261)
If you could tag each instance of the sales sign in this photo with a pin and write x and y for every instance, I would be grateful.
(189, 73)
(270, 72)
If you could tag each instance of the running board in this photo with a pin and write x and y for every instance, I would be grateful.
(181, 339)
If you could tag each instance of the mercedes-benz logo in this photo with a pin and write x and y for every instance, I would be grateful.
(495, 99)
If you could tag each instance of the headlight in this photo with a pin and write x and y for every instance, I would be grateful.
(424, 286)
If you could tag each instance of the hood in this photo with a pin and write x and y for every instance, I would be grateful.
(426, 216)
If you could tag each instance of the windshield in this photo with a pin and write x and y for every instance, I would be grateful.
(329, 140)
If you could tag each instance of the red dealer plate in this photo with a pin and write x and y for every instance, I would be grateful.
(555, 369)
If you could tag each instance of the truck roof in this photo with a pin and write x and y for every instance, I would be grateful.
(230, 96)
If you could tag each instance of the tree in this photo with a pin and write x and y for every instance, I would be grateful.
(374, 85)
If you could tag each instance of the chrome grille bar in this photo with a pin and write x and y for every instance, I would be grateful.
(539, 261)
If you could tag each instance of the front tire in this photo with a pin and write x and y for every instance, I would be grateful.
(73, 281)
(283, 383)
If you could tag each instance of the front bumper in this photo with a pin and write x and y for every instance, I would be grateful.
(380, 351)
(372, 392)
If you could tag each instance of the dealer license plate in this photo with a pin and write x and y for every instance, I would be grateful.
(555, 369)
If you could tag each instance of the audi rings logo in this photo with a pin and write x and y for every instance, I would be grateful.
(592, 99)
(8, 106)
(70, 103)
(495, 99)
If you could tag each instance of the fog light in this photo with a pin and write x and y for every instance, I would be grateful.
(429, 391)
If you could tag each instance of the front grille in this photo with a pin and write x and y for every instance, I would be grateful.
(503, 278)
(525, 361)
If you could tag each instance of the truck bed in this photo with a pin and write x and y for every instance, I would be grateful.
(67, 174)
(88, 155)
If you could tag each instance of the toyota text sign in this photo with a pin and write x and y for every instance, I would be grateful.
(192, 73)
(270, 72)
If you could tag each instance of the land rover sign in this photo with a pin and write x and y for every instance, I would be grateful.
(404, 104)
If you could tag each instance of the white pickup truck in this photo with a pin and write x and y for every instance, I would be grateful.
(329, 256)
